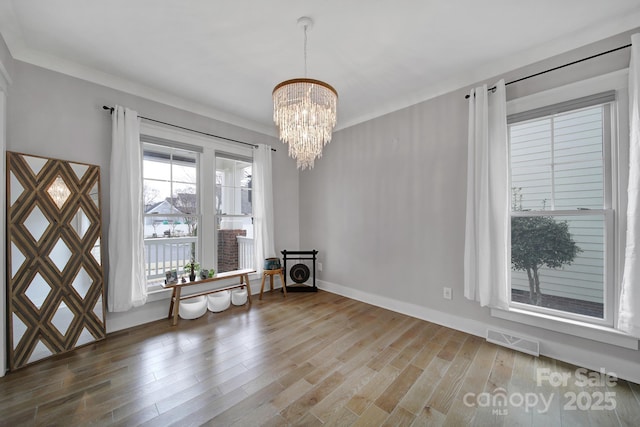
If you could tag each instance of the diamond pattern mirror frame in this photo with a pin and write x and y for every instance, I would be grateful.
(55, 284)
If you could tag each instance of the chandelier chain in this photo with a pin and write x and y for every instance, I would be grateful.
(305, 51)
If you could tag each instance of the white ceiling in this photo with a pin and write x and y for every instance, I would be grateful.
(222, 58)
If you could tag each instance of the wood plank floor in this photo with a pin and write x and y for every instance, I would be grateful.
(309, 360)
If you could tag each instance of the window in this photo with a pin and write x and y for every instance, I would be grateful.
(171, 209)
(197, 203)
(562, 220)
(233, 211)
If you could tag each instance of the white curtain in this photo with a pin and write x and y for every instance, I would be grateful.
(127, 280)
(487, 232)
(262, 205)
(629, 312)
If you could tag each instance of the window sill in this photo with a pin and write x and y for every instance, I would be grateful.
(576, 328)
(157, 293)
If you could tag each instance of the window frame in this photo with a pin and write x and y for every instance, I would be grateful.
(170, 150)
(249, 160)
(219, 217)
(606, 212)
(206, 178)
(618, 81)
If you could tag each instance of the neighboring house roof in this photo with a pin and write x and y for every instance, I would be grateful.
(150, 206)
(164, 207)
(183, 203)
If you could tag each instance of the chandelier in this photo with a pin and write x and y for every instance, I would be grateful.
(59, 192)
(305, 112)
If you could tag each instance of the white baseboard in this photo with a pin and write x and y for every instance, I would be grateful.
(413, 310)
(156, 308)
(150, 312)
(623, 368)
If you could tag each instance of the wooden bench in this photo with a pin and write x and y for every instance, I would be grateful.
(174, 306)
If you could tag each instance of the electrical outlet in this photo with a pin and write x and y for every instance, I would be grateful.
(319, 266)
(446, 293)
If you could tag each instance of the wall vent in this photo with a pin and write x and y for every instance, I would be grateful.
(506, 339)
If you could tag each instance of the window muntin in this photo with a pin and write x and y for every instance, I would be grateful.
(560, 185)
(171, 209)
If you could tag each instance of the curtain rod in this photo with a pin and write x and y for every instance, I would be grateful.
(104, 107)
(560, 66)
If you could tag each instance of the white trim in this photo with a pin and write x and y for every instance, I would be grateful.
(590, 331)
(413, 310)
(5, 81)
(158, 293)
(557, 350)
(3, 242)
(617, 80)
(175, 134)
(150, 312)
(617, 149)
(149, 146)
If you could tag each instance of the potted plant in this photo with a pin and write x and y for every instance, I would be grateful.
(191, 268)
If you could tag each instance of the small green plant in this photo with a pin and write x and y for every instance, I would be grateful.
(187, 267)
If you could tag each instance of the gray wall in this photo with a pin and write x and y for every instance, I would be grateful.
(385, 207)
(54, 115)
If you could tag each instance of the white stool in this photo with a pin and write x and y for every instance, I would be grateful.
(239, 296)
(193, 308)
(219, 301)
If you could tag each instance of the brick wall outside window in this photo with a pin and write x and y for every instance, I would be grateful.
(228, 249)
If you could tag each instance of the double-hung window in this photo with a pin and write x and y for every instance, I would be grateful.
(234, 212)
(562, 216)
(197, 204)
(171, 208)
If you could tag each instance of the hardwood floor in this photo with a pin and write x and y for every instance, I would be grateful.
(309, 359)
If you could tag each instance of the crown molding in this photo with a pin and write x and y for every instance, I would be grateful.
(483, 72)
(50, 62)
(15, 42)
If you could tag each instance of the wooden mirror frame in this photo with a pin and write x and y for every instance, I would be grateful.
(53, 209)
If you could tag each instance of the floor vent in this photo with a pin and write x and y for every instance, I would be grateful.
(522, 344)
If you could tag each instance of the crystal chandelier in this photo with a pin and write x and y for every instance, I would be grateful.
(59, 192)
(305, 112)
